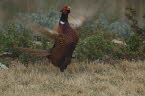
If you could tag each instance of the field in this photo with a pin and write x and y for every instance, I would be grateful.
(108, 60)
(80, 79)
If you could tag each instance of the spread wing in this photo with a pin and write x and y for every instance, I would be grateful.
(43, 31)
(76, 21)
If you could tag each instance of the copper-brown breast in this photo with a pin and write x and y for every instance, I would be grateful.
(64, 45)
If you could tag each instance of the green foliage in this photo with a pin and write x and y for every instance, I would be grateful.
(16, 35)
(134, 43)
(94, 47)
(134, 49)
(25, 58)
(10, 38)
(46, 44)
(96, 37)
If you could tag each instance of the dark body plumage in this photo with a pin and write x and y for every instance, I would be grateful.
(64, 46)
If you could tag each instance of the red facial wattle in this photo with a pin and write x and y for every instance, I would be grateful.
(64, 10)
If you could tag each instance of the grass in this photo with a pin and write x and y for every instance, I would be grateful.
(80, 79)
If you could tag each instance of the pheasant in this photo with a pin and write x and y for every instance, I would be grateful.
(65, 37)
(65, 42)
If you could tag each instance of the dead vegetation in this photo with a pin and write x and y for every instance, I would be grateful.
(80, 79)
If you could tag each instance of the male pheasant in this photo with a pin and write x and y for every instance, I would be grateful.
(65, 38)
(65, 43)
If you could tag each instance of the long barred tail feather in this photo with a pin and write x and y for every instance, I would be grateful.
(34, 52)
(31, 50)
(40, 54)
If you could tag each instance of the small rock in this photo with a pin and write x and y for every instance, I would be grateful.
(2, 66)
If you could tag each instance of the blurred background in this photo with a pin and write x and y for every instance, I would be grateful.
(113, 8)
(109, 29)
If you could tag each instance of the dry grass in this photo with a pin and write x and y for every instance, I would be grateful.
(80, 79)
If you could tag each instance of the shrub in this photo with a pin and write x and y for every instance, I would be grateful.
(94, 47)
(134, 49)
(10, 37)
(134, 43)
(17, 35)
